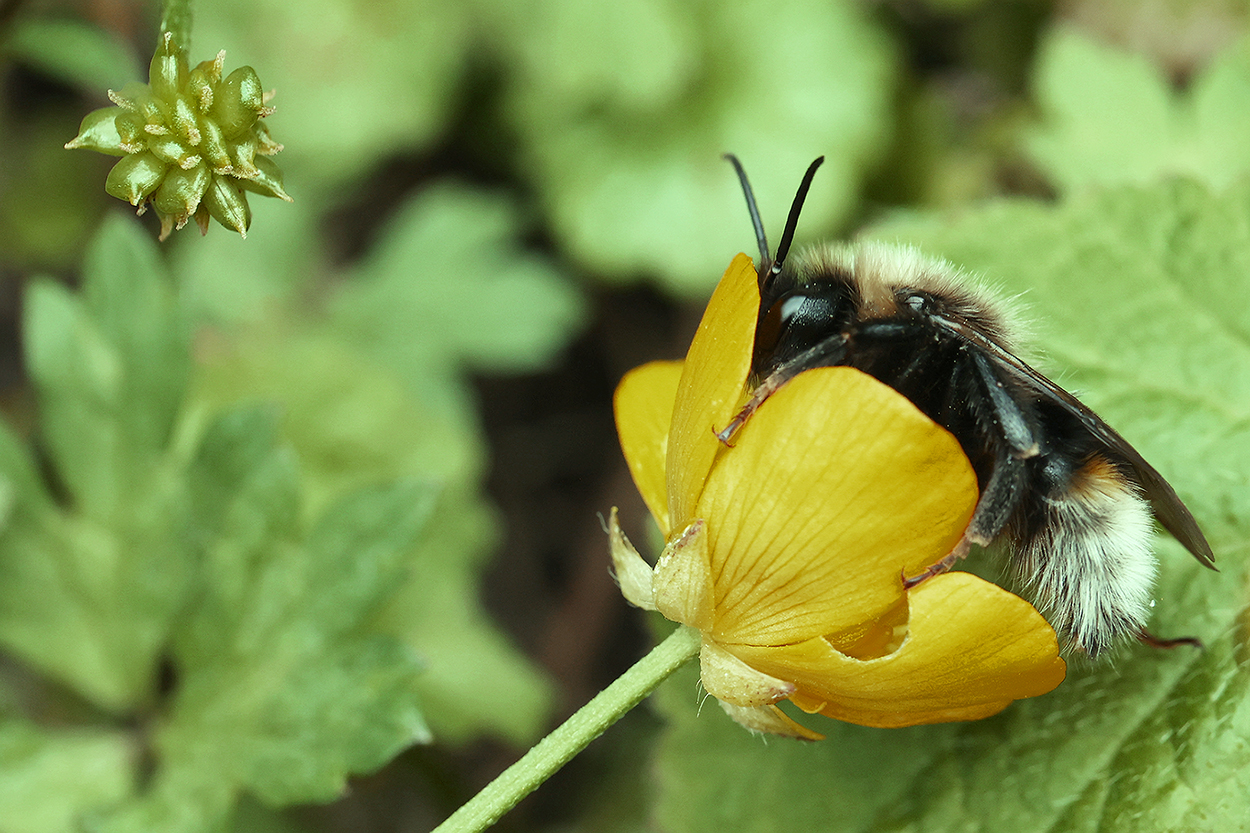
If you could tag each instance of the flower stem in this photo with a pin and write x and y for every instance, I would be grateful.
(176, 19)
(572, 736)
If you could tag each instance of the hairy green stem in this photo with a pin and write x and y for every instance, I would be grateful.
(572, 736)
(176, 19)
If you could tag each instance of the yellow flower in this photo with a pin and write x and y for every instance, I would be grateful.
(787, 550)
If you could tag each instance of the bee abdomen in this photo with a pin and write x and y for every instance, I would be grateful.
(1087, 560)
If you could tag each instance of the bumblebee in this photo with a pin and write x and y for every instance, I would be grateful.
(1068, 498)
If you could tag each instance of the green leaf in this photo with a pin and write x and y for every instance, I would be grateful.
(476, 681)
(48, 778)
(110, 368)
(1113, 117)
(367, 83)
(350, 421)
(265, 269)
(447, 289)
(624, 114)
(93, 565)
(126, 550)
(1139, 295)
(72, 51)
(283, 687)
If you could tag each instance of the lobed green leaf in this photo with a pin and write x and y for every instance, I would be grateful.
(1110, 116)
(447, 288)
(352, 420)
(93, 564)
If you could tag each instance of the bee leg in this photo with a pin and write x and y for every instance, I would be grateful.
(1010, 476)
(1153, 641)
(948, 561)
(765, 389)
(826, 353)
(998, 501)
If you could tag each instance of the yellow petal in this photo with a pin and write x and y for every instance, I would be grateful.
(644, 410)
(836, 487)
(972, 648)
(712, 385)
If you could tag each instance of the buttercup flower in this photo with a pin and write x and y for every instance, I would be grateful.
(787, 550)
(192, 142)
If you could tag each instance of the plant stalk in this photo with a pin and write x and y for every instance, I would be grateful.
(176, 19)
(575, 734)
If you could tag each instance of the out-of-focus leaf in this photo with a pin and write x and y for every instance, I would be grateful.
(52, 198)
(476, 681)
(1112, 117)
(1140, 296)
(624, 112)
(351, 420)
(128, 558)
(250, 816)
(110, 369)
(266, 271)
(447, 289)
(73, 52)
(49, 777)
(444, 290)
(355, 80)
(283, 690)
(88, 588)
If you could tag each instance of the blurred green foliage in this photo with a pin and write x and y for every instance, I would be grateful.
(243, 510)
(1113, 116)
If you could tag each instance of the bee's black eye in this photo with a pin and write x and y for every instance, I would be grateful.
(794, 305)
(794, 322)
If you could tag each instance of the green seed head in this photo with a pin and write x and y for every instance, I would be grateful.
(191, 141)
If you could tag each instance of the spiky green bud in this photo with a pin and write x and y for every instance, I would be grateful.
(192, 142)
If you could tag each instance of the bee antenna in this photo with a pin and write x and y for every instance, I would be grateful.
(758, 224)
(792, 221)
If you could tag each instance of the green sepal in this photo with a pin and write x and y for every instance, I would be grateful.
(136, 176)
(134, 97)
(137, 98)
(227, 204)
(243, 153)
(181, 191)
(267, 180)
(98, 132)
(201, 81)
(266, 146)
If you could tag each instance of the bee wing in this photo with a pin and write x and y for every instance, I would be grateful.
(1164, 501)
